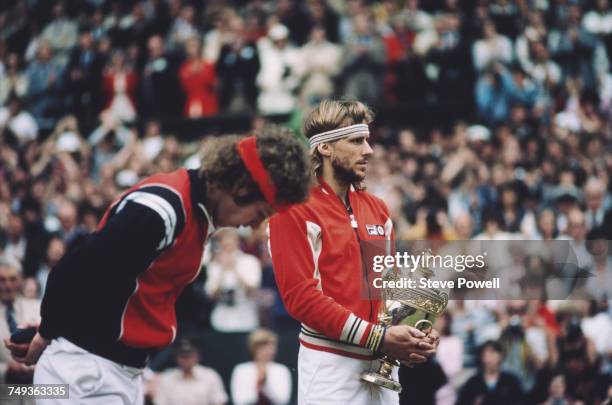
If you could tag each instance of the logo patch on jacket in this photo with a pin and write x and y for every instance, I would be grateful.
(375, 230)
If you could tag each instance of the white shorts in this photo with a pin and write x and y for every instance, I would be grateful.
(92, 380)
(328, 378)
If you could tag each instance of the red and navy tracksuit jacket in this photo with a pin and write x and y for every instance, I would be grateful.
(114, 293)
(317, 257)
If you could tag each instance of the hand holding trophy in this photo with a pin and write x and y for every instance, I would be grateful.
(417, 307)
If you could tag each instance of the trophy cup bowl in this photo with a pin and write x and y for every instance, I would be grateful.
(418, 308)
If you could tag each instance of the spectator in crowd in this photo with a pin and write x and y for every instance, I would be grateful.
(184, 27)
(599, 22)
(30, 288)
(280, 72)
(61, 34)
(492, 48)
(16, 310)
(55, 251)
(491, 385)
(199, 82)
(218, 34)
(417, 19)
(120, 83)
(84, 72)
(406, 79)
(261, 380)
(578, 52)
(12, 80)
(15, 245)
(321, 64)
(44, 84)
(159, 82)
(238, 66)
(450, 357)
(295, 17)
(596, 202)
(494, 94)
(557, 392)
(577, 359)
(190, 383)
(107, 142)
(363, 60)
(600, 286)
(153, 141)
(16, 123)
(233, 277)
(519, 357)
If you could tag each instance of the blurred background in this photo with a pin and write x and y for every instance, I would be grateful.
(492, 123)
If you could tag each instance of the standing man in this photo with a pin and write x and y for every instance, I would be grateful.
(110, 301)
(317, 260)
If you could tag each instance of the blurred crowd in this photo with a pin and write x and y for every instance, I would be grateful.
(85, 87)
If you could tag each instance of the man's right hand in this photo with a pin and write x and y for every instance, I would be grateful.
(407, 344)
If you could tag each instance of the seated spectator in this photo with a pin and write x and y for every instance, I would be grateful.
(597, 201)
(490, 385)
(578, 361)
(15, 243)
(233, 277)
(199, 82)
(557, 392)
(14, 310)
(30, 288)
(190, 383)
(261, 381)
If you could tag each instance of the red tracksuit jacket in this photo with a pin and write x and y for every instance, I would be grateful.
(316, 254)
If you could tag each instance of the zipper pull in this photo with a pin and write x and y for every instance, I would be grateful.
(353, 221)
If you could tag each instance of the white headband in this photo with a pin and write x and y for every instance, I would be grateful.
(338, 133)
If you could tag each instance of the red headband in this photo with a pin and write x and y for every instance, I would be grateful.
(247, 148)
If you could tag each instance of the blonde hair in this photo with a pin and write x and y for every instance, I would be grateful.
(333, 114)
(260, 337)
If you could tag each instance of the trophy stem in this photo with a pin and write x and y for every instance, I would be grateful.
(383, 377)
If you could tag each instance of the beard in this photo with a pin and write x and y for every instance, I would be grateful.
(344, 174)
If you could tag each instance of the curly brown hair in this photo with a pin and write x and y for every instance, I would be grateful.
(283, 156)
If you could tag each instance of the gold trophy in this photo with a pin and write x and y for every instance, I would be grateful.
(416, 307)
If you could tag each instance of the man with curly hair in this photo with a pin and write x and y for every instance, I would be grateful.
(110, 301)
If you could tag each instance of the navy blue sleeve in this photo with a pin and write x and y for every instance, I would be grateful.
(139, 228)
